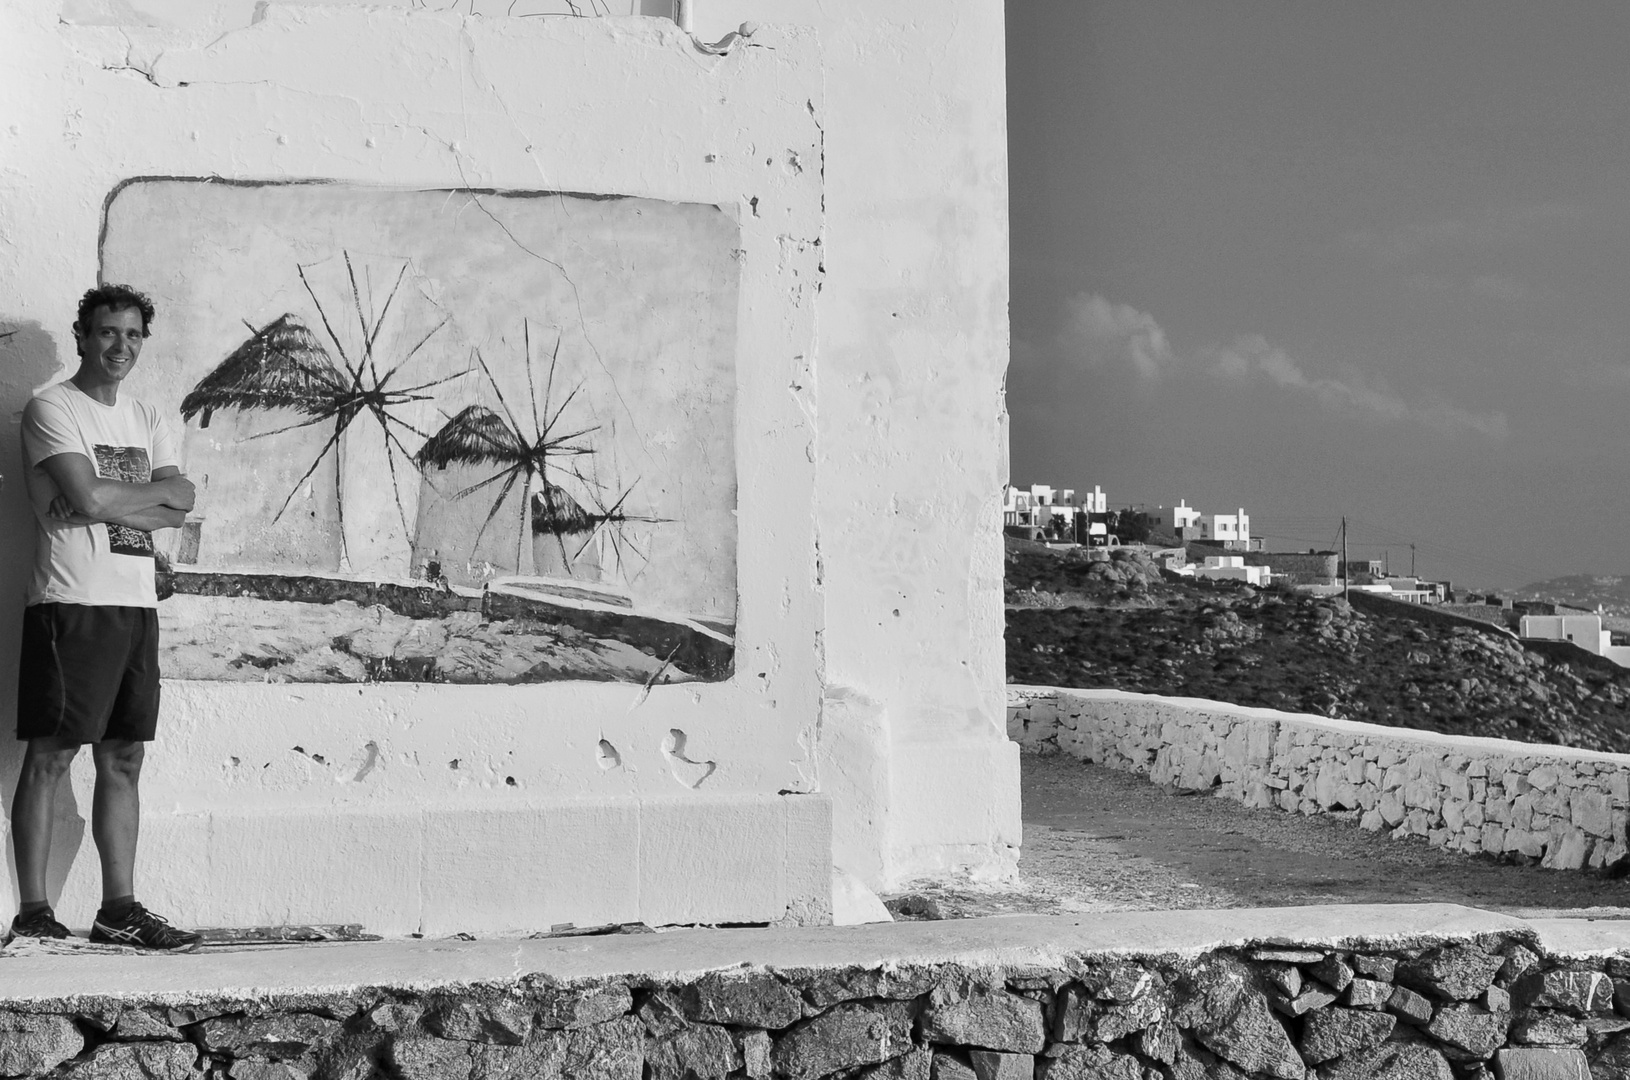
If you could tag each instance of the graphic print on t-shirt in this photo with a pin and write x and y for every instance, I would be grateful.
(130, 464)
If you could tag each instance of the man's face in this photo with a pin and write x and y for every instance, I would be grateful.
(110, 345)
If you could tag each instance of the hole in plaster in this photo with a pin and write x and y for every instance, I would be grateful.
(368, 762)
(510, 780)
(236, 762)
(453, 764)
(609, 758)
(687, 772)
(896, 613)
(753, 202)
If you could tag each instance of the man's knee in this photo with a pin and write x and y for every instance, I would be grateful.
(119, 759)
(46, 761)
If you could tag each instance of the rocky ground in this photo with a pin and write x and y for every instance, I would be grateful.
(1115, 620)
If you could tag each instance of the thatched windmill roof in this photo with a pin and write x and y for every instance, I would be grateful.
(281, 366)
(476, 436)
(554, 512)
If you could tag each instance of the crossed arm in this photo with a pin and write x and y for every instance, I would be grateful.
(87, 498)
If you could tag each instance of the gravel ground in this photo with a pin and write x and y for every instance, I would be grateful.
(1100, 840)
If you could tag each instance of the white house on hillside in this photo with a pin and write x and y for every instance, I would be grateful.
(1584, 631)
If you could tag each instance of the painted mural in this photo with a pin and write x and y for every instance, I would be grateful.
(457, 436)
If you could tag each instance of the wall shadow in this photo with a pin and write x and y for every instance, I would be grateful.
(29, 357)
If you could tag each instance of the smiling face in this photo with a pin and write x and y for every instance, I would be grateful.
(108, 349)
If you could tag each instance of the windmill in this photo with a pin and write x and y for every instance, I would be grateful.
(284, 365)
(537, 464)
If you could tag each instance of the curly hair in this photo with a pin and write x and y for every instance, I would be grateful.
(115, 298)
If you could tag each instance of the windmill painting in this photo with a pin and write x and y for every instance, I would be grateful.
(441, 435)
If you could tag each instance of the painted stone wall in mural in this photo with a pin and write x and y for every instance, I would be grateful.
(441, 435)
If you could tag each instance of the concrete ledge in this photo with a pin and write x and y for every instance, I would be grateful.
(1560, 806)
(486, 869)
(1292, 993)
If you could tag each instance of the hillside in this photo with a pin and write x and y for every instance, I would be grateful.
(1121, 623)
(1611, 592)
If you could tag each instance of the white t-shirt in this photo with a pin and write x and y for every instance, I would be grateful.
(110, 565)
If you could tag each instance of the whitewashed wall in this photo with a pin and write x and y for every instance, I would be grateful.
(427, 807)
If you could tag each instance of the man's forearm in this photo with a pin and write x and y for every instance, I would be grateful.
(150, 520)
(109, 500)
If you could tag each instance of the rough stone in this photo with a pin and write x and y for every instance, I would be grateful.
(1391, 1061)
(1287, 956)
(1579, 992)
(1196, 1063)
(1519, 959)
(1496, 1000)
(1159, 1042)
(749, 999)
(277, 1037)
(613, 1050)
(1530, 1063)
(134, 1024)
(1079, 1018)
(845, 1037)
(1211, 992)
(1089, 1063)
(1334, 1032)
(396, 1017)
(1332, 972)
(823, 989)
(269, 1070)
(1254, 1040)
(950, 1067)
(138, 1061)
(425, 1057)
(36, 1043)
(1116, 980)
(1470, 1028)
(997, 1065)
(661, 1014)
(576, 1007)
(1368, 994)
(699, 1050)
(1613, 1060)
(1410, 1005)
(1458, 972)
(1286, 978)
(988, 1019)
(918, 1064)
(755, 1054)
(1313, 996)
(1547, 1027)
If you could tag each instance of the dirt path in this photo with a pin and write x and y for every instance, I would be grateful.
(1100, 840)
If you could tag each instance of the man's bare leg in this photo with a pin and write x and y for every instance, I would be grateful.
(45, 763)
(116, 813)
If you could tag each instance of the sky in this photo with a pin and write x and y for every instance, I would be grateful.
(1317, 260)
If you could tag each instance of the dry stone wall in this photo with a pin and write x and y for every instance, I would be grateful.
(1561, 807)
(1485, 1006)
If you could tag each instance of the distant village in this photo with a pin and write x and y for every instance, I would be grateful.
(1190, 543)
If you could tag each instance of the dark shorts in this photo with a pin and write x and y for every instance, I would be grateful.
(88, 673)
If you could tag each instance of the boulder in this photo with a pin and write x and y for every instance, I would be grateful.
(36, 1043)
(1531, 1063)
(138, 1061)
(1254, 1040)
(998, 1065)
(750, 999)
(1470, 1028)
(1335, 1032)
(703, 1051)
(1089, 1063)
(985, 1018)
(1547, 1027)
(1458, 972)
(275, 1037)
(576, 1007)
(1579, 992)
(845, 1037)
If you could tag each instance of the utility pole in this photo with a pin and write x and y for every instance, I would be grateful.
(1344, 576)
(1411, 560)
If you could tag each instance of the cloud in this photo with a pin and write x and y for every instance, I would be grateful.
(1398, 243)
(1100, 334)
(1251, 357)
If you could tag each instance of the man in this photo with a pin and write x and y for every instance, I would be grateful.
(102, 475)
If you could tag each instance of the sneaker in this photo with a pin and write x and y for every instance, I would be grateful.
(41, 924)
(144, 929)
